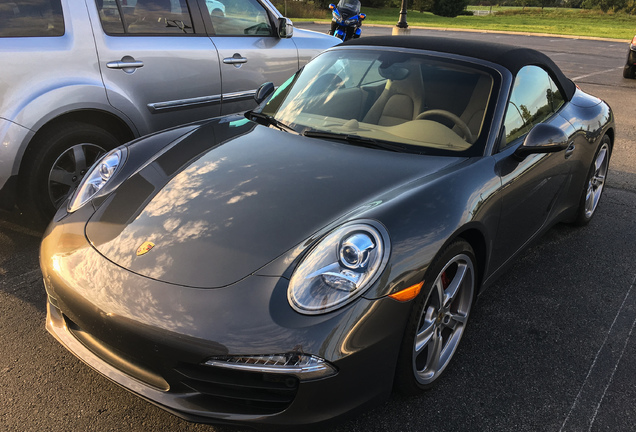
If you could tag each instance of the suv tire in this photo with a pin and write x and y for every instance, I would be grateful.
(55, 163)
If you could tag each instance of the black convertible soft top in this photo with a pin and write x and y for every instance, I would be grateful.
(511, 57)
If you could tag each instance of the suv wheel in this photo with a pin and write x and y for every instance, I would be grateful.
(58, 159)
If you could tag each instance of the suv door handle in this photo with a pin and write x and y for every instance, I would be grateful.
(569, 150)
(237, 60)
(127, 63)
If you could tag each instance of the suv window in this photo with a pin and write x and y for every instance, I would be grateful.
(150, 17)
(239, 18)
(31, 18)
(535, 97)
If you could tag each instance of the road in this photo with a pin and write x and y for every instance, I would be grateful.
(549, 346)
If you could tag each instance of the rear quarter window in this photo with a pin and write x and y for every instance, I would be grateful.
(31, 18)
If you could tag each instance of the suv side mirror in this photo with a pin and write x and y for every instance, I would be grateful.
(542, 138)
(263, 92)
(285, 28)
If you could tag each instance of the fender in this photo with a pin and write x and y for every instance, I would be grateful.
(59, 99)
(445, 213)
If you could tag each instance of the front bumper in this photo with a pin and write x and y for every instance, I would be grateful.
(631, 56)
(153, 339)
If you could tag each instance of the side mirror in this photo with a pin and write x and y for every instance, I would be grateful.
(362, 16)
(332, 6)
(542, 138)
(285, 28)
(263, 92)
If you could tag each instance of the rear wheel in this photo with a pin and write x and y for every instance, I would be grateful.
(438, 319)
(595, 183)
(56, 162)
(628, 71)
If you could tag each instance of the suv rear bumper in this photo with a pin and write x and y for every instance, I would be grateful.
(12, 135)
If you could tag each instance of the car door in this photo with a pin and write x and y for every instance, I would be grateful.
(157, 62)
(250, 50)
(531, 187)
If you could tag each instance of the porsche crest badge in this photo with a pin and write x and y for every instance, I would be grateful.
(145, 248)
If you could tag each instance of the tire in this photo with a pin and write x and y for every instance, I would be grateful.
(55, 163)
(436, 326)
(628, 72)
(594, 183)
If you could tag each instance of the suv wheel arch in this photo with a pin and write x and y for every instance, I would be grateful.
(53, 150)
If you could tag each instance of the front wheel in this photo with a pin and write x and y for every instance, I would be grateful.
(56, 162)
(438, 319)
(595, 183)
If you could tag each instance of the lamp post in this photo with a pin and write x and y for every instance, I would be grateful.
(402, 27)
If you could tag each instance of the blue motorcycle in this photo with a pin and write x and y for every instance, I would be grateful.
(346, 20)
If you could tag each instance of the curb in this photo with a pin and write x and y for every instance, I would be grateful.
(492, 31)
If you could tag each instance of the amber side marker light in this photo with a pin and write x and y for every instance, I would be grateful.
(408, 293)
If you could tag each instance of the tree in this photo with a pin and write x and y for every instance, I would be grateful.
(547, 3)
(423, 5)
(449, 8)
(606, 5)
(525, 114)
(371, 3)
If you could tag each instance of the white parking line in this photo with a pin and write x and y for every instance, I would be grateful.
(596, 73)
(21, 229)
(587, 400)
(613, 373)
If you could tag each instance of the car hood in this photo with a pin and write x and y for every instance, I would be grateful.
(223, 202)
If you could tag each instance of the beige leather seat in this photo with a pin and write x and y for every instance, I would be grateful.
(473, 114)
(400, 101)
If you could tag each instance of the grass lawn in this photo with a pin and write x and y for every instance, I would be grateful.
(576, 22)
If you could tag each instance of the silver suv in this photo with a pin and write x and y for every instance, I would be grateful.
(83, 76)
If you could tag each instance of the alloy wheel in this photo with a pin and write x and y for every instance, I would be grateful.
(69, 169)
(443, 319)
(596, 181)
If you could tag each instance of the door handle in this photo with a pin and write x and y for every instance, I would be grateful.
(569, 150)
(127, 64)
(237, 60)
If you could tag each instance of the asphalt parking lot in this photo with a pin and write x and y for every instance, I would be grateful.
(550, 346)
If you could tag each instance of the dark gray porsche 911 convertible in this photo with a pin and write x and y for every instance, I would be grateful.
(292, 264)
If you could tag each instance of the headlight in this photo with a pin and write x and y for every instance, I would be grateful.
(339, 268)
(96, 178)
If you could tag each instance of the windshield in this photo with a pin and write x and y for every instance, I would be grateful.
(349, 5)
(425, 104)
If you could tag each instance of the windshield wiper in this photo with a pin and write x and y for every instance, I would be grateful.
(268, 120)
(358, 140)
